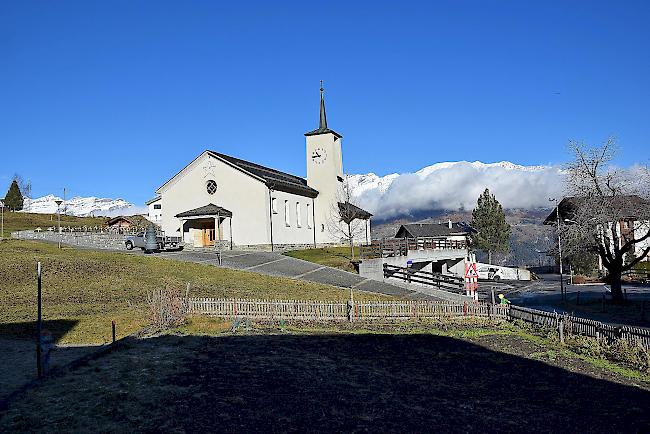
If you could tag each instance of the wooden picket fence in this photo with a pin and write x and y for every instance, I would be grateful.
(310, 310)
(342, 310)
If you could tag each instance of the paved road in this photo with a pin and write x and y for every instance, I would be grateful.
(276, 264)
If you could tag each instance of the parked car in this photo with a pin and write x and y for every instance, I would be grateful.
(164, 243)
(489, 273)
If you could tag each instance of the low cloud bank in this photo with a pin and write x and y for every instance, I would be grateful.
(453, 186)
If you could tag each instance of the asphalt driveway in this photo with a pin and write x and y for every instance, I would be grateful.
(276, 264)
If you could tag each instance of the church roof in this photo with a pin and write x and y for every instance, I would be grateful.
(209, 209)
(274, 179)
(322, 124)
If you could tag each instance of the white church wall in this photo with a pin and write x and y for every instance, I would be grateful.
(287, 230)
(243, 195)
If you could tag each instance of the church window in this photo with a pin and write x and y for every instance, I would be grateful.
(157, 206)
(274, 205)
(211, 187)
(286, 213)
(310, 217)
(298, 217)
(322, 227)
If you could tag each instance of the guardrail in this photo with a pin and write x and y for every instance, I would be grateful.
(437, 280)
(391, 247)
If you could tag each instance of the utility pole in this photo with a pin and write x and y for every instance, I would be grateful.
(559, 247)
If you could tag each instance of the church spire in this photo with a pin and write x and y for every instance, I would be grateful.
(322, 124)
(323, 118)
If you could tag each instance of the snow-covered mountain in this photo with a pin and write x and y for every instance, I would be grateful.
(455, 185)
(81, 206)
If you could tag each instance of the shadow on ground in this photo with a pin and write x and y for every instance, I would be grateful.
(28, 329)
(326, 383)
(18, 353)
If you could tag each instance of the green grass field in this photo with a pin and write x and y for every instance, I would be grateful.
(19, 221)
(83, 291)
(337, 257)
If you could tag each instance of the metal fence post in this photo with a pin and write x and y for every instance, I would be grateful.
(39, 325)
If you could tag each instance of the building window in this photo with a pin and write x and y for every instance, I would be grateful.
(158, 206)
(211, 187)
(286, 213)
(274, 205)
(310, 218)
(322, 227)
(298, 217)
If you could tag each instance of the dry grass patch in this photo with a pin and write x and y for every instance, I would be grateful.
(85, 290)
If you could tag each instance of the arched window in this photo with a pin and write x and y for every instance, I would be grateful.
(287, 218)
(298, 216)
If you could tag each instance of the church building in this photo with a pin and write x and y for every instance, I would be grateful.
(220, 200)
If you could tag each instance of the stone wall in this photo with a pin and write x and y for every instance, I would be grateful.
(78, 239)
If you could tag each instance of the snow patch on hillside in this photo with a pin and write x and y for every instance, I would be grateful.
(82, 206)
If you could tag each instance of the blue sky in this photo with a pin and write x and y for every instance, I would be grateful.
(112, 98)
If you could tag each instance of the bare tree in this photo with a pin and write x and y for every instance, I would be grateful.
(347, 221)
(607, 211)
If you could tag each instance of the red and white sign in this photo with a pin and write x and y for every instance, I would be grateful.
(471, 277)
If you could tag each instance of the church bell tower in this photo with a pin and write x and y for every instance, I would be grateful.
(324, 172)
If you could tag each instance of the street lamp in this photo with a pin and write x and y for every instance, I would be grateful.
(2, 212)
(559, 246)
(58, 203)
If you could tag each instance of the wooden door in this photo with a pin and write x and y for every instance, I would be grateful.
(208, 237)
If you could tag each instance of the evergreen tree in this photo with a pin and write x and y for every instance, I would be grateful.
(14, 199)
(489, 220)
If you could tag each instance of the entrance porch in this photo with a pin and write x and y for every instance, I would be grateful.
(207, 226)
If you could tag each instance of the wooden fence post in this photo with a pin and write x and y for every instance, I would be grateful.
(561, 330)
(493, 299)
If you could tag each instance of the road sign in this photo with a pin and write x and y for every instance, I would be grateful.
(471, 272)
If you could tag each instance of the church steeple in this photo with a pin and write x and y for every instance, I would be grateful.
(322, 124)
(323, 117)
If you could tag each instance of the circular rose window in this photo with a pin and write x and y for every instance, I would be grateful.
(211, 187)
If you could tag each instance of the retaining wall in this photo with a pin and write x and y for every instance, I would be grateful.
(79, 239)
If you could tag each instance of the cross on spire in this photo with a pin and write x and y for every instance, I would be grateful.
(322, 124)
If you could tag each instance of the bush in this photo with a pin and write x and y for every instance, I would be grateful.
(167, 308)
